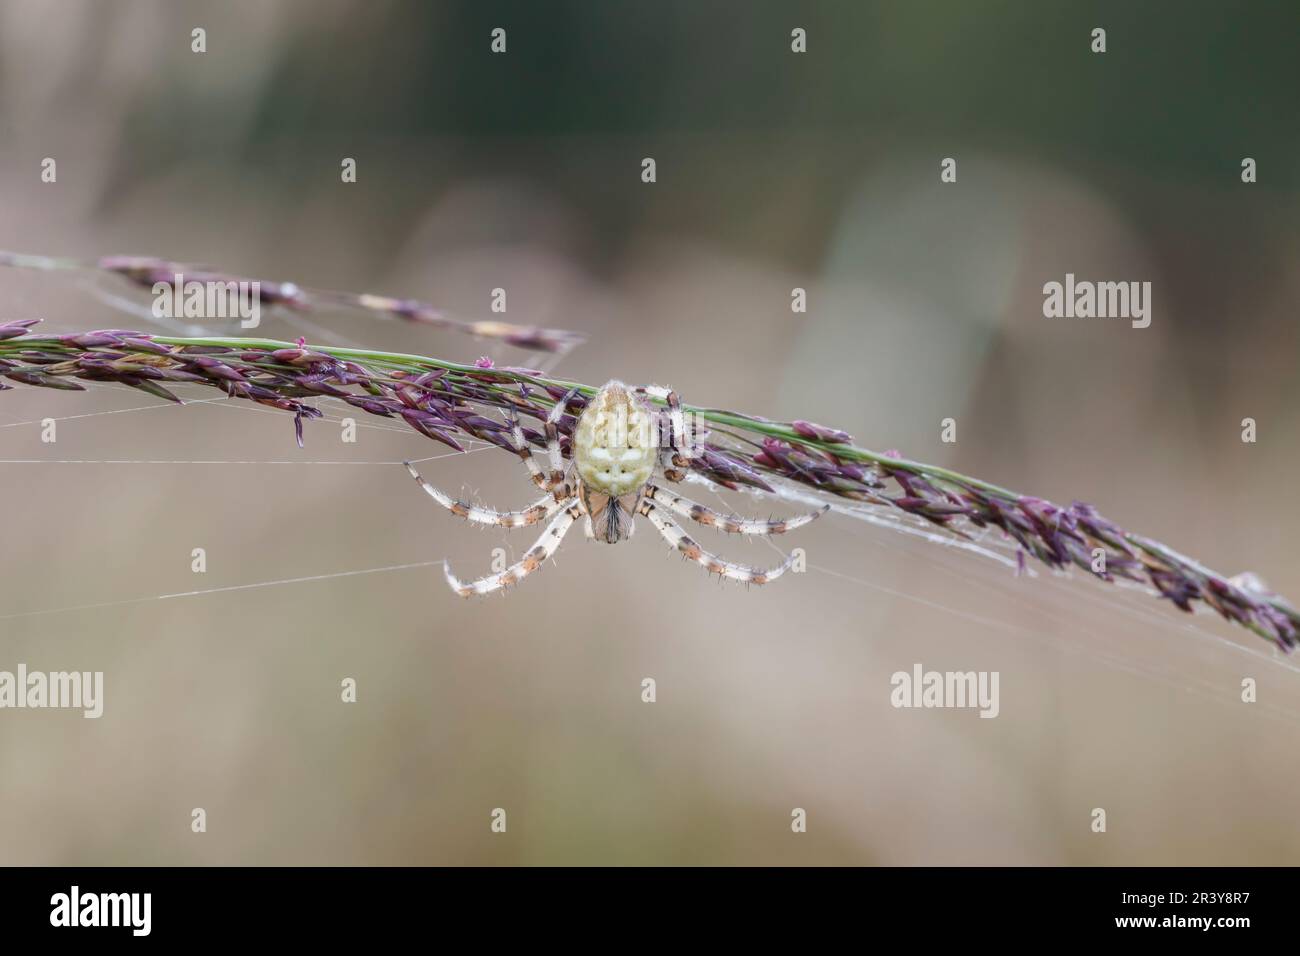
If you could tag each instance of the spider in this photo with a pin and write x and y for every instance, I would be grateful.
(616, 449)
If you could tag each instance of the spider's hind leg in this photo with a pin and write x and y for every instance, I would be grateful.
(553, 435)
(553, 483)
(680, 449)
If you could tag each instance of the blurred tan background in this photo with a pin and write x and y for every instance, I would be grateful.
(774, 170)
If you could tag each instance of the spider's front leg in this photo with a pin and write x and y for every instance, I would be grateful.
(537, 511)
(533, 558)
(687, 545)
(732, 524)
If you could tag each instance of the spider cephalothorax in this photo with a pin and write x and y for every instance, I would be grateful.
(618, 443)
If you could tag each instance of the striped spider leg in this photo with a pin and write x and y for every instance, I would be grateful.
(682, 451)
(656, 502)
(543, 548)
(557, 492)
(680, 448)
(553, 483)
(558, 504)
(679, 539)
(475, 514)
(732, 524)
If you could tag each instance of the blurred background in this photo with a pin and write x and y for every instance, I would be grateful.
(775, 170)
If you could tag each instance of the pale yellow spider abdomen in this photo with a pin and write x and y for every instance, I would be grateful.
(615, 446)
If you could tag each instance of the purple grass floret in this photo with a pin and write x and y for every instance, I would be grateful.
(146, 271)
(821, 432)
(452, 404)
